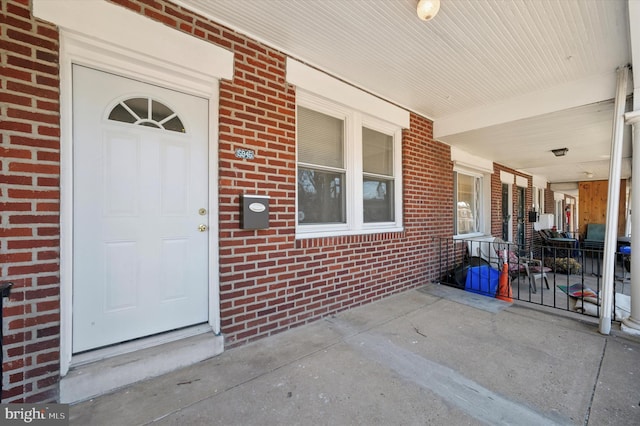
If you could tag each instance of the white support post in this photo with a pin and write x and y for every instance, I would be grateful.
(631, 325)
(613, 201)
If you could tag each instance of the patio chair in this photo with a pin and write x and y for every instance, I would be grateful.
(594, 237)
(532, 268)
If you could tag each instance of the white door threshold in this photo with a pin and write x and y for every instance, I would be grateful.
(88, 380)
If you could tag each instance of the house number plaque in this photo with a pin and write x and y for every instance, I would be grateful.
(247, 154)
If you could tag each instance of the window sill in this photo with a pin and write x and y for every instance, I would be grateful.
(470, 236)
(342, 233)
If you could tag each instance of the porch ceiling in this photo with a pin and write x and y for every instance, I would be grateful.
(504, 80)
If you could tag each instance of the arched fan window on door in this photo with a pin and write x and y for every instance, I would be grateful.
(147, 112)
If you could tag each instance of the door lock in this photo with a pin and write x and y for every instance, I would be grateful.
(202, 227)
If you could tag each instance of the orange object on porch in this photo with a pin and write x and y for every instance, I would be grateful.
(504, 288)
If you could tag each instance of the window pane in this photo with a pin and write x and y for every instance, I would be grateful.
(159, 111)
(162, 117)
(150, 124)
(174, 125)
(120, 113)
(377, 200)
(377, 152)
(320, 138)
(466, 207)
(320, 197)
(140, 106)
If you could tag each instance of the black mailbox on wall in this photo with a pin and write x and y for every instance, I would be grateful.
(255, 212)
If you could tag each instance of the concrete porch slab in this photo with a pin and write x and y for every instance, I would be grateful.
(412, 358)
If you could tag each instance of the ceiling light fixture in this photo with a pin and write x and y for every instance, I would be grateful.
(589, 174)
(427, 9)
(560, 152)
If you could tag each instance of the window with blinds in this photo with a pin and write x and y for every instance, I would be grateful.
(321, 172)
(377, 177)
(348, 170)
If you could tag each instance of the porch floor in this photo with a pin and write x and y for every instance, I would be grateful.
(426, 356)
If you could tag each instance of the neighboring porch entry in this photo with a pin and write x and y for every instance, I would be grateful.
(521, 216)
(140, 209)
(506, 213)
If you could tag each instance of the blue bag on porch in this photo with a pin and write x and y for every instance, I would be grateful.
(482, 280)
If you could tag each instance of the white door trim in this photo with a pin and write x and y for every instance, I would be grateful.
(85, 49)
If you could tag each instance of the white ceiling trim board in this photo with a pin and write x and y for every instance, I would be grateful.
(292, 55)
(331, 88)
(564, 186)
(539, 181)
(576, 93)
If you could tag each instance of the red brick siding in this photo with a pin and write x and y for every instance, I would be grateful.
(496, 207)
(269, 281)
(549, 200)
(29, 198)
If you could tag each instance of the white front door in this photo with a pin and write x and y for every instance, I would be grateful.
(140, 238)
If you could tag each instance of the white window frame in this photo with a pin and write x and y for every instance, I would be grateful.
(479, 189)
(558, 210)
(538, 200)
(469, 164)
(537, 203)
(354, 121)
(539, 194)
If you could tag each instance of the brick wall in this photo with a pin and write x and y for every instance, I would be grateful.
(269, 281)
(29, 200)
(496, 208)
(549, 200)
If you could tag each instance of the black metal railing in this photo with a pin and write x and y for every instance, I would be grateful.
(564, 275)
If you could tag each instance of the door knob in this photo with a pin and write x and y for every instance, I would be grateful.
(202, 227)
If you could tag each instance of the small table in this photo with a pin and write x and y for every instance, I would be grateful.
(564, 245)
